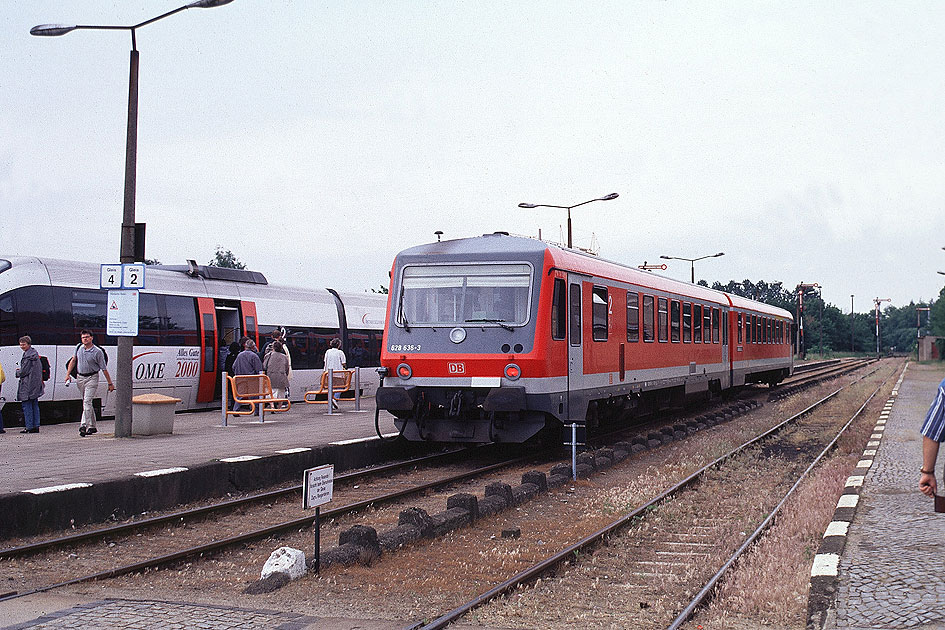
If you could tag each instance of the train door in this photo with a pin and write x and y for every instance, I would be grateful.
(576, 403)
(726, 351)
(235, 319)
(207, 321)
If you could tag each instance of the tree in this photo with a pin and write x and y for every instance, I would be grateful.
(152, 261)
(382, 290)
(225, 258)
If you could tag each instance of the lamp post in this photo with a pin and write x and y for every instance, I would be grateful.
(692, 263)
(123, 375)
(801, 289)
(852, 348)
(568, 208)
(876, 303)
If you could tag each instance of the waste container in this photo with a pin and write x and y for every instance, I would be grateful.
(153, 414)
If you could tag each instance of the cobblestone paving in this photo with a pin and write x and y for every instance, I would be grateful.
(892, 572)
(141, 615)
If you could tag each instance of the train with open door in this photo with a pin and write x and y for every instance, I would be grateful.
(187, 317)
(497, 338)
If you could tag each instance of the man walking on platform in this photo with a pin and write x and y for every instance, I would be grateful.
(88, 361)
(933, 433)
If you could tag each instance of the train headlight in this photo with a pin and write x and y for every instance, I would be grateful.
(458, 335)
(512, 372)
(404, 371)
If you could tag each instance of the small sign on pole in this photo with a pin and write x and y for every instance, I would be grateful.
(122, 314)
(317, 486)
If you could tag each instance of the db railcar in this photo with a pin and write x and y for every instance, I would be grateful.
(495, 338)
(187, 317)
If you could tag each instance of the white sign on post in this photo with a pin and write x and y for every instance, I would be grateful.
(122, 314)
(132, 276)
(317, 486)
(111, 277)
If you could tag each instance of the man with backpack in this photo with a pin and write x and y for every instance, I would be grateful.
(85, 366)
(31, 385)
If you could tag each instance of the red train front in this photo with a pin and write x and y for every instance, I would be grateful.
(495, 338)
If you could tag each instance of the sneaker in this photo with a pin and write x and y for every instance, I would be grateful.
(34, 430)
(334, 405)
(82, 431)
(91, 430)
(25, 431)
(2, 431)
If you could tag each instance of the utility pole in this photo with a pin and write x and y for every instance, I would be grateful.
(876, 303)
(852, 347)
(801, 289)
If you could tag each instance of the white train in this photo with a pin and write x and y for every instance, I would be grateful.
(188, 316)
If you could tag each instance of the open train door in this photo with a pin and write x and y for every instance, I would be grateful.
(207, 319)
(250, 329)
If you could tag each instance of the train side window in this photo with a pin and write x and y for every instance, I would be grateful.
(715, 324)
(599, 326)
(633, 316)
(758, 323)
(575, 312)
(209, 338)
(706, 324)
(725, 328)
(697, 323)
(559, 313)
(149, 321)
(8, 331)
(648, 318)
(674, 321)
(180, 321)
(686, 322)
(663, 319)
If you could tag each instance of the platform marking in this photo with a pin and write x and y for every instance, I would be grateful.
(837, 528)
(825, 564)
(870, 452)
(241, 458)
(289, 451)
(872, 443)
(864, 463)
(364, 439)
(854, 481)
(876, 436)
(848, 500)
(62, 488)
(161, 471)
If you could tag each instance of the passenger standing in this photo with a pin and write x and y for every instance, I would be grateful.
(88, 361)
(31, 385)
(247, 362)
(279, 335)
(335, 360)
(231, 357)
(276, 365)
(933, 434)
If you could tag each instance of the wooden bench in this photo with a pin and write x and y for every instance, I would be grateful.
(252, 390)
(341, 383)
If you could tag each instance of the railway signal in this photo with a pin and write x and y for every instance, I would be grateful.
(801, 289)
(876, 303)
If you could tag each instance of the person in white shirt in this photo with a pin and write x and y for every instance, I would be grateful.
(335, 360)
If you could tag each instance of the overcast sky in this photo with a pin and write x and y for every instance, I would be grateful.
(317, 139)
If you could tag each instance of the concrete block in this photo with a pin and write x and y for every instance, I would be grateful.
(153, 414)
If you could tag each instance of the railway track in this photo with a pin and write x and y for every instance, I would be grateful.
(673, 541)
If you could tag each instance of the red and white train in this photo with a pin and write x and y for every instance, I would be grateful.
(187, 316)
(495, 338)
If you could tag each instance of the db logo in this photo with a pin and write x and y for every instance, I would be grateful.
(456, 368)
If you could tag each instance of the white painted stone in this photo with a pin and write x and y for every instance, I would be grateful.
(837, 528)
(825, 564)
(848, 501)
(870, 452)
(241, 458)
(62, 488)
(876, 436)
(864, 463)
(854, 481)
(872, 443)
(285, 560)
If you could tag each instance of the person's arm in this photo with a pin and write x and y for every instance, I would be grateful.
(108, 377)
(69, 365)
(927, 484)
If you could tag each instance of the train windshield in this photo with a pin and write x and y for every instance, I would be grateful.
(490, 294)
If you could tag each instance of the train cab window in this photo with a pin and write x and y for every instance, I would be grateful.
(697, 323)
(674, 321)
(738, 327)
(8, 331)
(599, 326)
(663, 319)
(648, 329)
(575, 313)
(559, 313)
(716, 318)
(706, 324)
(686, 322)
(633, 316)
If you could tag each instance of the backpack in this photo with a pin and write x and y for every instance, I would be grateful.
(44, 362)
(74, 372)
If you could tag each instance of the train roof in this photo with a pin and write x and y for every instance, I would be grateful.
(501, 245)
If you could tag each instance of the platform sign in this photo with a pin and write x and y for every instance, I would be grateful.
(111, 277)
(122, 314)
(132, 276)
(317, 486)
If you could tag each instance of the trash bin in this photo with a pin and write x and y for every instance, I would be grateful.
(153, 414)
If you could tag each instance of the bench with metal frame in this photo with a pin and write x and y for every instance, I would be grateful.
(340, 383)
(252, 390)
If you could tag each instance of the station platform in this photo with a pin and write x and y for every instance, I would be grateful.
(55, 479)
(891, 569)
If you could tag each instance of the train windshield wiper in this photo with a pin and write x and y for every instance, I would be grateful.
(403, 314)
(500, 322)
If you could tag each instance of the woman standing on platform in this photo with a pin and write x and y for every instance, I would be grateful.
(31, 385)
(276, 367)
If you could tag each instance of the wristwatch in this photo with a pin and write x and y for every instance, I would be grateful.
(926, 472)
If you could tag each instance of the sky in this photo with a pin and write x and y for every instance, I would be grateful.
(317, 139)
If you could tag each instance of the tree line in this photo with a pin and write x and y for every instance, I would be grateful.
(828, 329)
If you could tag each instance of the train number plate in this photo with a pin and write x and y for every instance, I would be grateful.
(456, 368)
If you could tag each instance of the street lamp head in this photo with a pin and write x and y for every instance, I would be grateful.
(719, 254)
(667, 257)
(527, 205)
(51, 30)
(208, 4)
(609, 197)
